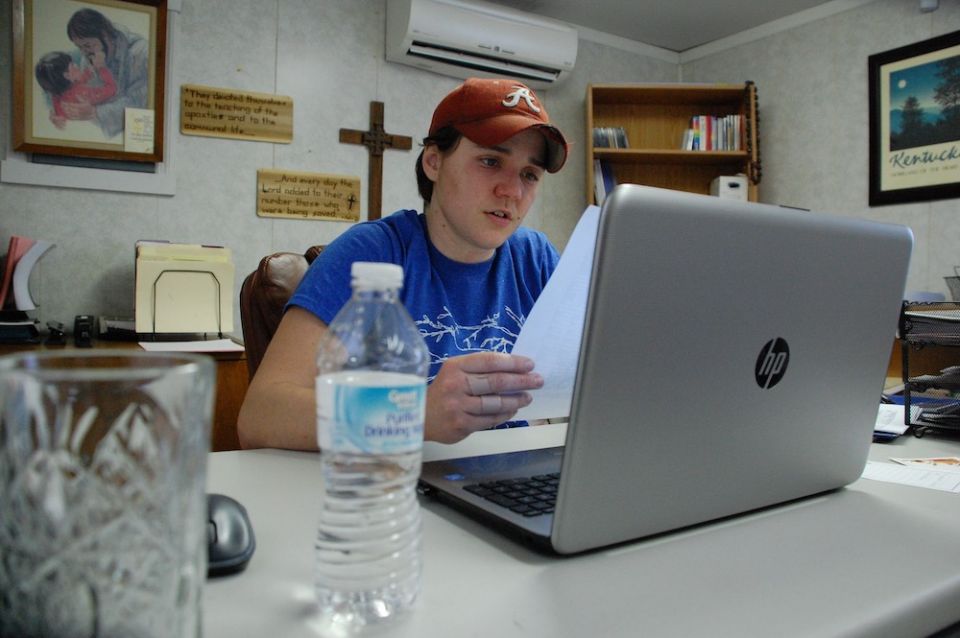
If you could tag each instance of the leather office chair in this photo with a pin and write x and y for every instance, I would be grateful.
(263, 295)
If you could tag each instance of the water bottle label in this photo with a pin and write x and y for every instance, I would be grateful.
(371, 419)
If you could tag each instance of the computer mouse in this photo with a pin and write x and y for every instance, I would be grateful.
(230, 536)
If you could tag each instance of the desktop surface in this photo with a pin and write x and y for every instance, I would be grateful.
(872, 559)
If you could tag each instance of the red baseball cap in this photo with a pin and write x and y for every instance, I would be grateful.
(489, 112)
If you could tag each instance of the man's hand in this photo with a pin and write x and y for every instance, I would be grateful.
(476, 392)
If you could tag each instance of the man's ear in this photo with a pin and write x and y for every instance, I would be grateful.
(431, 161)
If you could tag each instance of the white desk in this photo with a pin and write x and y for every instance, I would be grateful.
(873, 559)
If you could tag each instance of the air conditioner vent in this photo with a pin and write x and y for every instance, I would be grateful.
(488, 63)
(478, 38)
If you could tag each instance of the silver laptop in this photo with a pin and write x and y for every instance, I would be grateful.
(733, 358)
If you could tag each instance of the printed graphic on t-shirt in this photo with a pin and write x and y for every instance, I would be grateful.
(446, 338)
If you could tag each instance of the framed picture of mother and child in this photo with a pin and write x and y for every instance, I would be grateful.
(88, 78)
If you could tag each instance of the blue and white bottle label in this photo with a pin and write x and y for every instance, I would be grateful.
(372, 413)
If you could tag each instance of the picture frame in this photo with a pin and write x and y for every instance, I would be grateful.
(88, 78)
(914, 100)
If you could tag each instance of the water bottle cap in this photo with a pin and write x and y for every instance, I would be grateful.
(369, 274)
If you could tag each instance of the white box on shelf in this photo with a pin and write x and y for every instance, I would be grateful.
(730, 187)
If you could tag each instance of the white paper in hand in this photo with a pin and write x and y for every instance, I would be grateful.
(552, 333)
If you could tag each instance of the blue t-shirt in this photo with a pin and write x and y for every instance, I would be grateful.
(458, 308)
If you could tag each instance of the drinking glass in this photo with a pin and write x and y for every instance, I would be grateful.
(103, 492)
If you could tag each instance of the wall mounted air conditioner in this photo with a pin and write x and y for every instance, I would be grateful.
(479, 39)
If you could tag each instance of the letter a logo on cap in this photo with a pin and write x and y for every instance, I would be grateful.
(520, 93)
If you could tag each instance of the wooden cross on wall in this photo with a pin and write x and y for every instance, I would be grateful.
(376, 140)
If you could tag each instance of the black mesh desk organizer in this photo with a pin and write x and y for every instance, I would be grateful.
(929, 325)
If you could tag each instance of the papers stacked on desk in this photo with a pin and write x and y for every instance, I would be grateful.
(890, 422)
(937, 322)
(183, 288)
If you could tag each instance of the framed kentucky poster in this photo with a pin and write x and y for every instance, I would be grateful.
(915, 122)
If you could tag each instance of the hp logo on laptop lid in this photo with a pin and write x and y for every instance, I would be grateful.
(772, 363)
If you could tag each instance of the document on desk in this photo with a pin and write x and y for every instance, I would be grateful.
(942, 463)
(553, 330)
(203, 345)
(945, 480)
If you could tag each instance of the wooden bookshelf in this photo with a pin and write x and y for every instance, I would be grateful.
(654, 117)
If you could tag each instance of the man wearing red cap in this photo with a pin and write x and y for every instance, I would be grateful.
(471, 273)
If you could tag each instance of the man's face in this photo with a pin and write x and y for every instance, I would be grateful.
(481, 194)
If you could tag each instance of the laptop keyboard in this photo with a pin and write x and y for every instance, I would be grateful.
(533, 496)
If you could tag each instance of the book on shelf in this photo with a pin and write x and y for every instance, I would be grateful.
(713, 133)
(23, 253)
(604, 180)
(610, 137)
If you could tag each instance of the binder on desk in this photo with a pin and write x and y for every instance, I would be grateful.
(183, 288)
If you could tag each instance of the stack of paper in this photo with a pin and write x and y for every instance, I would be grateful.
(183, 288)
(890, 419)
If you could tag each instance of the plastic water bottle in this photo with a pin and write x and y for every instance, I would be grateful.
(371, 400)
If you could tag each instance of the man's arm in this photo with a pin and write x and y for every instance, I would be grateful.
(471, 392)
(280, 407)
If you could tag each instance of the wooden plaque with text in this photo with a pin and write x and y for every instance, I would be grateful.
(241, 115)
(299, 195)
